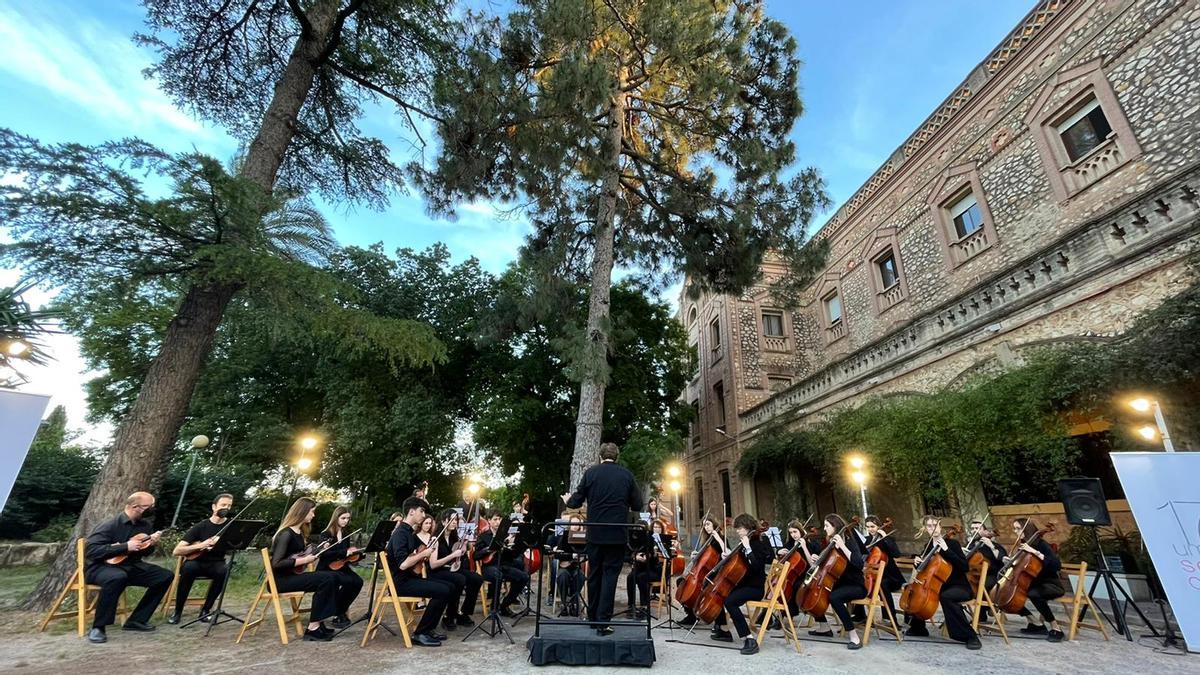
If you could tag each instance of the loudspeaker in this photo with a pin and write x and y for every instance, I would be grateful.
(1083, 500)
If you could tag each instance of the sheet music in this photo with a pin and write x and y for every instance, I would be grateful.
(773, 537)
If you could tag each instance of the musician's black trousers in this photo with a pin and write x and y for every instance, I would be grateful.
(322, 584)
(733, 608)
(838, 598)
(113, 579)
(1040, 595)
(349, 586)
(886, 588)
(638, 581)
(439, 593)
(570, 585)
(604, 568)
(213, 570)
(468, 584)
(517, 579)
(958, 624)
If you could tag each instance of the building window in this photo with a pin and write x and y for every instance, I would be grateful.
(961, 214)
(1080, 130)
(778, 384)
(694, 360)
(886, 270)
(714, 334)
(889, 275)
(719, 404)
(699, 481)
(692, 316)
(830, 315)
(726, 493)
(966, 215)
(695, 425)
(833, 308)
(1085, 130)
(772, 323)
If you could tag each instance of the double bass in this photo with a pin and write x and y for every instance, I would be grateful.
(688, 592)
(1013, 580)
(813, 596)
(875, 554)
(921, 597)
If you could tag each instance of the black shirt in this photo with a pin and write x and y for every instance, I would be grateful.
(610, 491)
(505, 555)
(202, 531)
(891, 572)
(566, 553)
(853, 576)
(759, 556)
(110, 537)
(404, 542)
(958, 563)
(1051, 564)
(286, 543)
(995, 559)
(337, 550)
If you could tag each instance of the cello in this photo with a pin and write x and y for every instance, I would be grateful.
(921, 597)
(721, 581)
(1013, 580)
(813, 596)
(689, 592)
(797, 557)
(876, 555)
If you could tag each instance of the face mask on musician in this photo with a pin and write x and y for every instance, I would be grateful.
(223, 513)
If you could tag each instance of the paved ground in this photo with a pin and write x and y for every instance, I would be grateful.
(170, 650)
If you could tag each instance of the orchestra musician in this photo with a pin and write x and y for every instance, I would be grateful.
(127, 534)
(759, 555)
(955, 590)
(710, 531)
(850, 585)
(647, 568)
(290, 556)
(657, 511)
(428, 536)
(1045, 586)
(467, 582)
(893, 578)
(202, 538)
(569, 556)
(349, 583)
(406, 559)
(992, 551)
(795, 533)
(502, 565)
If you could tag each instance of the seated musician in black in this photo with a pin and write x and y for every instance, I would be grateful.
(646, 569)
(406, 564)
(759, 555)
(1045, 587)
(450, 564)
(795, 536)
(210, 564)
(711, 536)
(893, 578)
(955, 590)
(116, 537)
(290, 556)
(850, 585)
(992, 551)
(500, 564)
(349, 583)
(568, 559)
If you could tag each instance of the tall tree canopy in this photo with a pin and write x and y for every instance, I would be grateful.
(654, 134)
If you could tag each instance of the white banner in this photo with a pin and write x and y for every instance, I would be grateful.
(20, 416)
(1163, 489)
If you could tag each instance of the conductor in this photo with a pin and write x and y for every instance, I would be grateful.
(610, 491)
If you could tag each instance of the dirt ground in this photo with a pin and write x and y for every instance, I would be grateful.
(172, 650)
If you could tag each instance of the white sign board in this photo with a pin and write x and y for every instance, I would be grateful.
(20, 417)
(1164, 494)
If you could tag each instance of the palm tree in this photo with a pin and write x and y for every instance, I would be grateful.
(21, 330)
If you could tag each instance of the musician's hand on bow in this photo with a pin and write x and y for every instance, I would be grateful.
(1029, 549)
(566, 497)
(812, 559)
(916, 560)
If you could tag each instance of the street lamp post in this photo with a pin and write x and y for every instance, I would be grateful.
(673, 472)
(858, 463)
(198, 442)
(1147, 432)
(303, 464)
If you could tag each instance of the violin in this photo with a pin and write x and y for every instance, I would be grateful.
(688, 592)
(194, 555)
(921, 597)
(721, 581)
(875, 554)
(1014, 578)
(813, 595)
(140, 540)
(308, 550)
(490, 554)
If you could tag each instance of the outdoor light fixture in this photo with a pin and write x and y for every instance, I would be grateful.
(1143, 404)
(304, 464)
(1140, 404)
(673, 471)
(17, 348)
(308, 442)
(1148, 432)
(675, 486)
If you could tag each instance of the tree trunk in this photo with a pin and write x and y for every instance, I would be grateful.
(144, 437)
(589, 425)
(147, 433)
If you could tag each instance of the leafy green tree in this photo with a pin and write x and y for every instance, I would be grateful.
(21, 332)
(52, 482)
(650, 134)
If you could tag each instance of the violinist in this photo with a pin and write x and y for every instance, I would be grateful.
(710, 531)
(647, 568)
(850, 585)
(210, 564)
(955, 590)
(349, 583)
(501, 566)
(289, 558)
(569, 556)
(758, 554)
(450, 565)
(405, 557)
(893, 578)
(1045, 586)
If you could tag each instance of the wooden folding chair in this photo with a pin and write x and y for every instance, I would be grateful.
(660, 587)
(169, 599)
(773, 605)
(477, 567)
(86, 596)
(402, 606)
(875, 601)
(982, 600)
(269, 597)
(1075, 604)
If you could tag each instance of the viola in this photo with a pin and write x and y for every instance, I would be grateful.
(353, 555)
(1014, 578)
(692, 587)
(876, 556)
(459, 545)
(308, 550)
(921, 597)
(533, 560)
(139, 539)
(720, 582)
(493, 549)
(813, 595)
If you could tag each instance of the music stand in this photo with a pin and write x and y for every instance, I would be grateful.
(239, 535)
(526, 538)
(492, 624)
(376, 545)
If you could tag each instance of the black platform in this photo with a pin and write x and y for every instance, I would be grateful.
(575, 645)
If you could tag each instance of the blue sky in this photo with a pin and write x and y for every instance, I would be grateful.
(873, 72)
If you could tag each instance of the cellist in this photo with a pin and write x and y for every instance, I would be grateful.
(795, 535)
(711, 531)
(893, 578)
(850, 585)
(759, 555)
(1045, 586)
(955, 590)
(992, 551)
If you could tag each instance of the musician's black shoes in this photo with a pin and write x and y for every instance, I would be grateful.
(423, 640)
(507, 612)
(440, 637)
(317, 635)
(605, 631)
(96, 636)
(206, 616)
(464, 620)
(853, 645)
(821, 633)
(1034, 629)
(340, 622)
(173, 619)
(750, 646)
(974, 643)
(449, 623)
(689, 620)
(721, 635)
(1055, 636)
(913, 631)
(137, 626)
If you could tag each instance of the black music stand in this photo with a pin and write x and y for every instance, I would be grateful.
(492, 624)
(239, 535)
(526, 538)
(376, 544)
(664, 548)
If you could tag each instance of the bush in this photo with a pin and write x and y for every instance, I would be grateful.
(59, 529)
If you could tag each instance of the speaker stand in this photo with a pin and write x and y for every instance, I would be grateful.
(1112, 586)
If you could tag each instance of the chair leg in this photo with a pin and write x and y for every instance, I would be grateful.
(249, 622)
(62, 596)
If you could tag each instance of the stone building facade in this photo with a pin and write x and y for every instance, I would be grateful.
(1052, 197)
